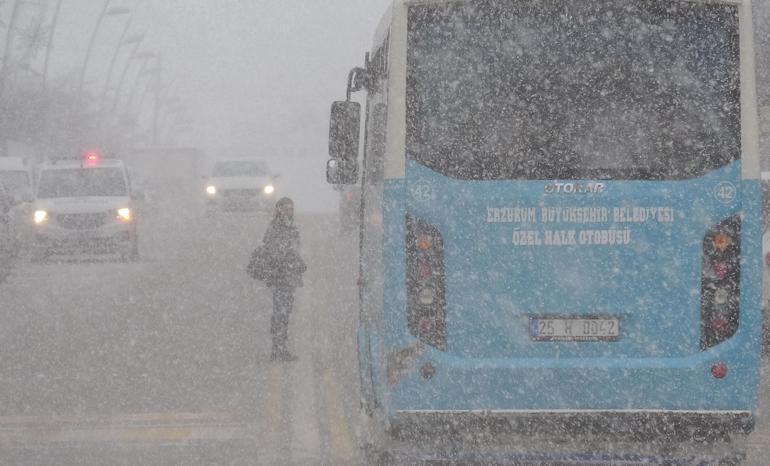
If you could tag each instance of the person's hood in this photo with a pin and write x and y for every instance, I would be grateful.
(83, 205)
(240, 182)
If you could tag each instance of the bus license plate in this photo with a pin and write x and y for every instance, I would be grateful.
(574, 328)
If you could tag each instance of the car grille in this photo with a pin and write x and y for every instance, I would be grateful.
(81, 221)
(240, 192)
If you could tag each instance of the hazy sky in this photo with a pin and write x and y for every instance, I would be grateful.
(257, 76)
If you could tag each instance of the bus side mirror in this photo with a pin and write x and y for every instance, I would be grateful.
(340, 171)
(344, 130)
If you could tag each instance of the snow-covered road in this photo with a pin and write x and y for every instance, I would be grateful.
(174, 350)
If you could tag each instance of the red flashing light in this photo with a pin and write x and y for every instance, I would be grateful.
(349, 195)
(767, 259)
(719, 370)
(92, 157)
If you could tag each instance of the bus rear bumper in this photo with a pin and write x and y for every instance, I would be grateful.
(624, 424)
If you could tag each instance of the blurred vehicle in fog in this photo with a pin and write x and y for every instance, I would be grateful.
(240, 185)
(16, 178)
(84, 206)
(169, 178)
(7, 234)
(350, 204)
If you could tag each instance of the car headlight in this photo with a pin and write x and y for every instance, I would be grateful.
(269, 189)
(212, 190)
(40, 216)
(124, 214)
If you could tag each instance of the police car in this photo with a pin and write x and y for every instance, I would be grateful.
(84, 206)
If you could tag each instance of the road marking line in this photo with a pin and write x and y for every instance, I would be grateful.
(271, 429)
(158, 434)
(140, 427)
(149, 434)
(306, 439)
(339, 429)
(124, 419)
(273, 404)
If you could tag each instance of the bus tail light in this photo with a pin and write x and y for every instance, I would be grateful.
(720, 282)
(426, 304)
(719, 370)
(721, 270)
(425, 270)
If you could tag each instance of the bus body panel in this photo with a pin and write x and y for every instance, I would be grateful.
(499, 273)
(584, 376)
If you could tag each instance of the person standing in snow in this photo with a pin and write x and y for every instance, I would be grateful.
(283, 268)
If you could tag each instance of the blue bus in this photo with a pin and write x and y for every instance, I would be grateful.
(561, 216)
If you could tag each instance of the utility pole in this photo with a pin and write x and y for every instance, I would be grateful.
(49, 47)
(156, 112)
(8, 52)
(121, 43)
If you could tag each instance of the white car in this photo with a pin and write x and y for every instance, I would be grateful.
(84, 207)
(240, 185)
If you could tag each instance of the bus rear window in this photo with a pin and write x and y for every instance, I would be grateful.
(548, 89)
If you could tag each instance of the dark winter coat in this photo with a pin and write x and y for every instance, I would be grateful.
(283, 264)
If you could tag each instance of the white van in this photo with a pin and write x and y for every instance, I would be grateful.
(84, 207)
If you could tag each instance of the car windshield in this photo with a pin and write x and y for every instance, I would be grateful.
(239, 168)
(81, 182)
(384, 232)
(16, 182)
